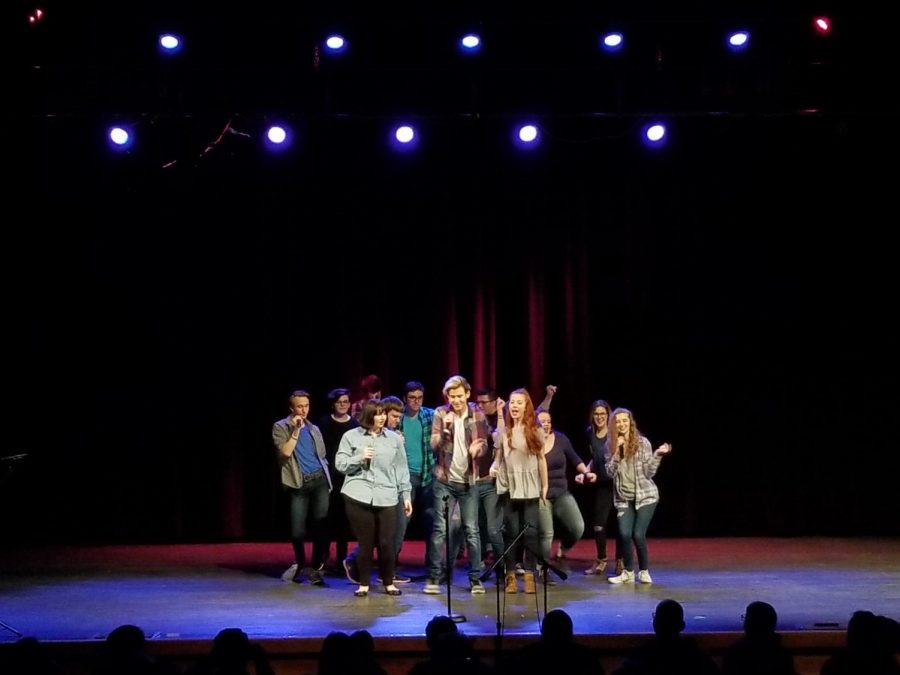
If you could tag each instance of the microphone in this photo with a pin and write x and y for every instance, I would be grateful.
(367, 464)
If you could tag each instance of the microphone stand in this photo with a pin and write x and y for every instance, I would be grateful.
(498, 568)
(539, 559)
(455, 618)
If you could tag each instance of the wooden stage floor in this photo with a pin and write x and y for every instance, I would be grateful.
(190, 592)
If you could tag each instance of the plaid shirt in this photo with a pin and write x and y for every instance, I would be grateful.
(425, 417)
(476, 426)
(645, 463)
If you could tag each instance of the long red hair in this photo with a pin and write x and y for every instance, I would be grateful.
(529, 425)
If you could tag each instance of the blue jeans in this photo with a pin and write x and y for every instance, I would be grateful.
(310, 499)
(633, 526)
(564, 510)
(467, 498)
(489, 507)
(422, 498)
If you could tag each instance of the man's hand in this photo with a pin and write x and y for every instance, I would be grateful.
(476, 447)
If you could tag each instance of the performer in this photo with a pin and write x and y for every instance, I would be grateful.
(459, 436)
(333, 427)
(305, 477)
(632, 463)
(520, 469)
(603, 493)
(374, 462)
(561, 506)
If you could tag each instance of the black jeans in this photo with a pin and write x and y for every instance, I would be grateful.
(309, 503)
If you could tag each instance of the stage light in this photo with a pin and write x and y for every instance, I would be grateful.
(119, 138)
(655, 134)
(528, 133)
(335, 43)
(822, 25)
(612, 42)
(36, 16)
(470, 43)
(527, 136)
(403, 138)
(405, 134)
(738, 40)
(169, 43)
(278, 137)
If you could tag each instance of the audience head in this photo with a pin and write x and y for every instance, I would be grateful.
(231, 645)
(668, 619)
(760, 618)
(126, 639)
(557, 627)
(437, 628)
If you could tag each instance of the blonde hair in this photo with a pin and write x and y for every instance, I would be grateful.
(454, 382)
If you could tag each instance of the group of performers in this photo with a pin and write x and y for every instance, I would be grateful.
(499, 464)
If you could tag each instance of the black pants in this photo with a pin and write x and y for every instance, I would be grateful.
(374, 524)
(309, 506)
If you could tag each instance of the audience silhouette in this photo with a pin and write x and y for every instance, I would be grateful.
(124, 654)
(760, 651)
(231, 653)
(670, 653)
(873, 645)
(556, 651)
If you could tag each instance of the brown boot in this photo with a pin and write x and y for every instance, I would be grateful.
(620, 565)
(529, 583)
(511, 585)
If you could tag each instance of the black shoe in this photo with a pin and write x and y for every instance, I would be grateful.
(316, 577)
(393, 591)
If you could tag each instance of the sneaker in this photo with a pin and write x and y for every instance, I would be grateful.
(599, 567)
(290, 573)
(644, 577)
(431, 587)
(350, 570)
(476, 587)
(627, 577)
(317, 577)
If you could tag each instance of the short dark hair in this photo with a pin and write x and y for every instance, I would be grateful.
(367, 415)
(412, 385)
(297, 394)
(487, 391)
(392, 403)
(335, 394)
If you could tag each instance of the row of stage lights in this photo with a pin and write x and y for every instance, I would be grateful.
(471, 43)
(403, 137)
(611, 41)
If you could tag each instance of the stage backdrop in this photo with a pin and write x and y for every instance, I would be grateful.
(735, 288)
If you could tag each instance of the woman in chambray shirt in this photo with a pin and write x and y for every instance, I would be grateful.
(376, 484)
